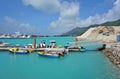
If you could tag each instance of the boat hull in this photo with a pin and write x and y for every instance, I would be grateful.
(13, 50)
(48, 55)
(74, 49)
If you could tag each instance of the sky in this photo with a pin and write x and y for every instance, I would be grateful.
(54, 17)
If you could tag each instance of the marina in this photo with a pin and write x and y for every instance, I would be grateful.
(92, 64)
(72, 47)
(43, 54)
(59, 39)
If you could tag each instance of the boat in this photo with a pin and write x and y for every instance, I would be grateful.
(82, 49)
(102, 48)
(52, 53)
(73, 49)
(49, 54)
(18, 51)
(3, 44)
(76, 49)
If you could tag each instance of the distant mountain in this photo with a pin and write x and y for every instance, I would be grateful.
(80, 30)
(112, 23)
(75, 31)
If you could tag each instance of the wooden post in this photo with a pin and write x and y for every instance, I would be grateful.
(76, 40)
(34, 42)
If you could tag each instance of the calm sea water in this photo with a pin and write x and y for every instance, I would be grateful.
(86, 65)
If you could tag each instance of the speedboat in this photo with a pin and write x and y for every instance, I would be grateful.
(18, 51)
(55, 55)
(52, 53)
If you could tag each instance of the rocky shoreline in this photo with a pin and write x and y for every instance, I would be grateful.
(108, 35)
(113, 56)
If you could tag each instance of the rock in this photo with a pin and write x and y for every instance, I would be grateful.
(113, 57)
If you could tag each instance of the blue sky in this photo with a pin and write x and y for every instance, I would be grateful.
(51, 17)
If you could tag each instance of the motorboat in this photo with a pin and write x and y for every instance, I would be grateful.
(52, 52)
(18, 51)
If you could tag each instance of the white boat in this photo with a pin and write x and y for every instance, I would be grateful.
(48, 54)
(76, 49)
(52, 52)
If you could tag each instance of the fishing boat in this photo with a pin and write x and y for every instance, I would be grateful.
(18, 51)
(52, 53)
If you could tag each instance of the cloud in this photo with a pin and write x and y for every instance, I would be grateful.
(45, 5)
(69, 18)
(112, 14)
(69, 14)
(10, 25)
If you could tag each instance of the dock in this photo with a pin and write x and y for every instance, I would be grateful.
(34, 49)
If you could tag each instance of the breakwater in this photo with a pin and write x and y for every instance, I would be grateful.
(113, 53)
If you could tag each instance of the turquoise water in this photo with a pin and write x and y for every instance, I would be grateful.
(86, 65)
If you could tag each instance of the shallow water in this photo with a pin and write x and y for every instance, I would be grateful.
(85, 65)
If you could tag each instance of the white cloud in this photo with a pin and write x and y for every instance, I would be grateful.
(45, 5)
(69, 17)
(69, 14)
(114, 13)
(11, 25)
(10, 21)
(69, 10)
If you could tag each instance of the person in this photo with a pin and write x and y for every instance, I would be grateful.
(41, 45)
(44, 45)
(53, 45)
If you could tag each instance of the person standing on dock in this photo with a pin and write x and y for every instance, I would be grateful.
(40, 45)
(44, 45)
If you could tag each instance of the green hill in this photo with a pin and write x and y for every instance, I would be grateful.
(75, 31)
